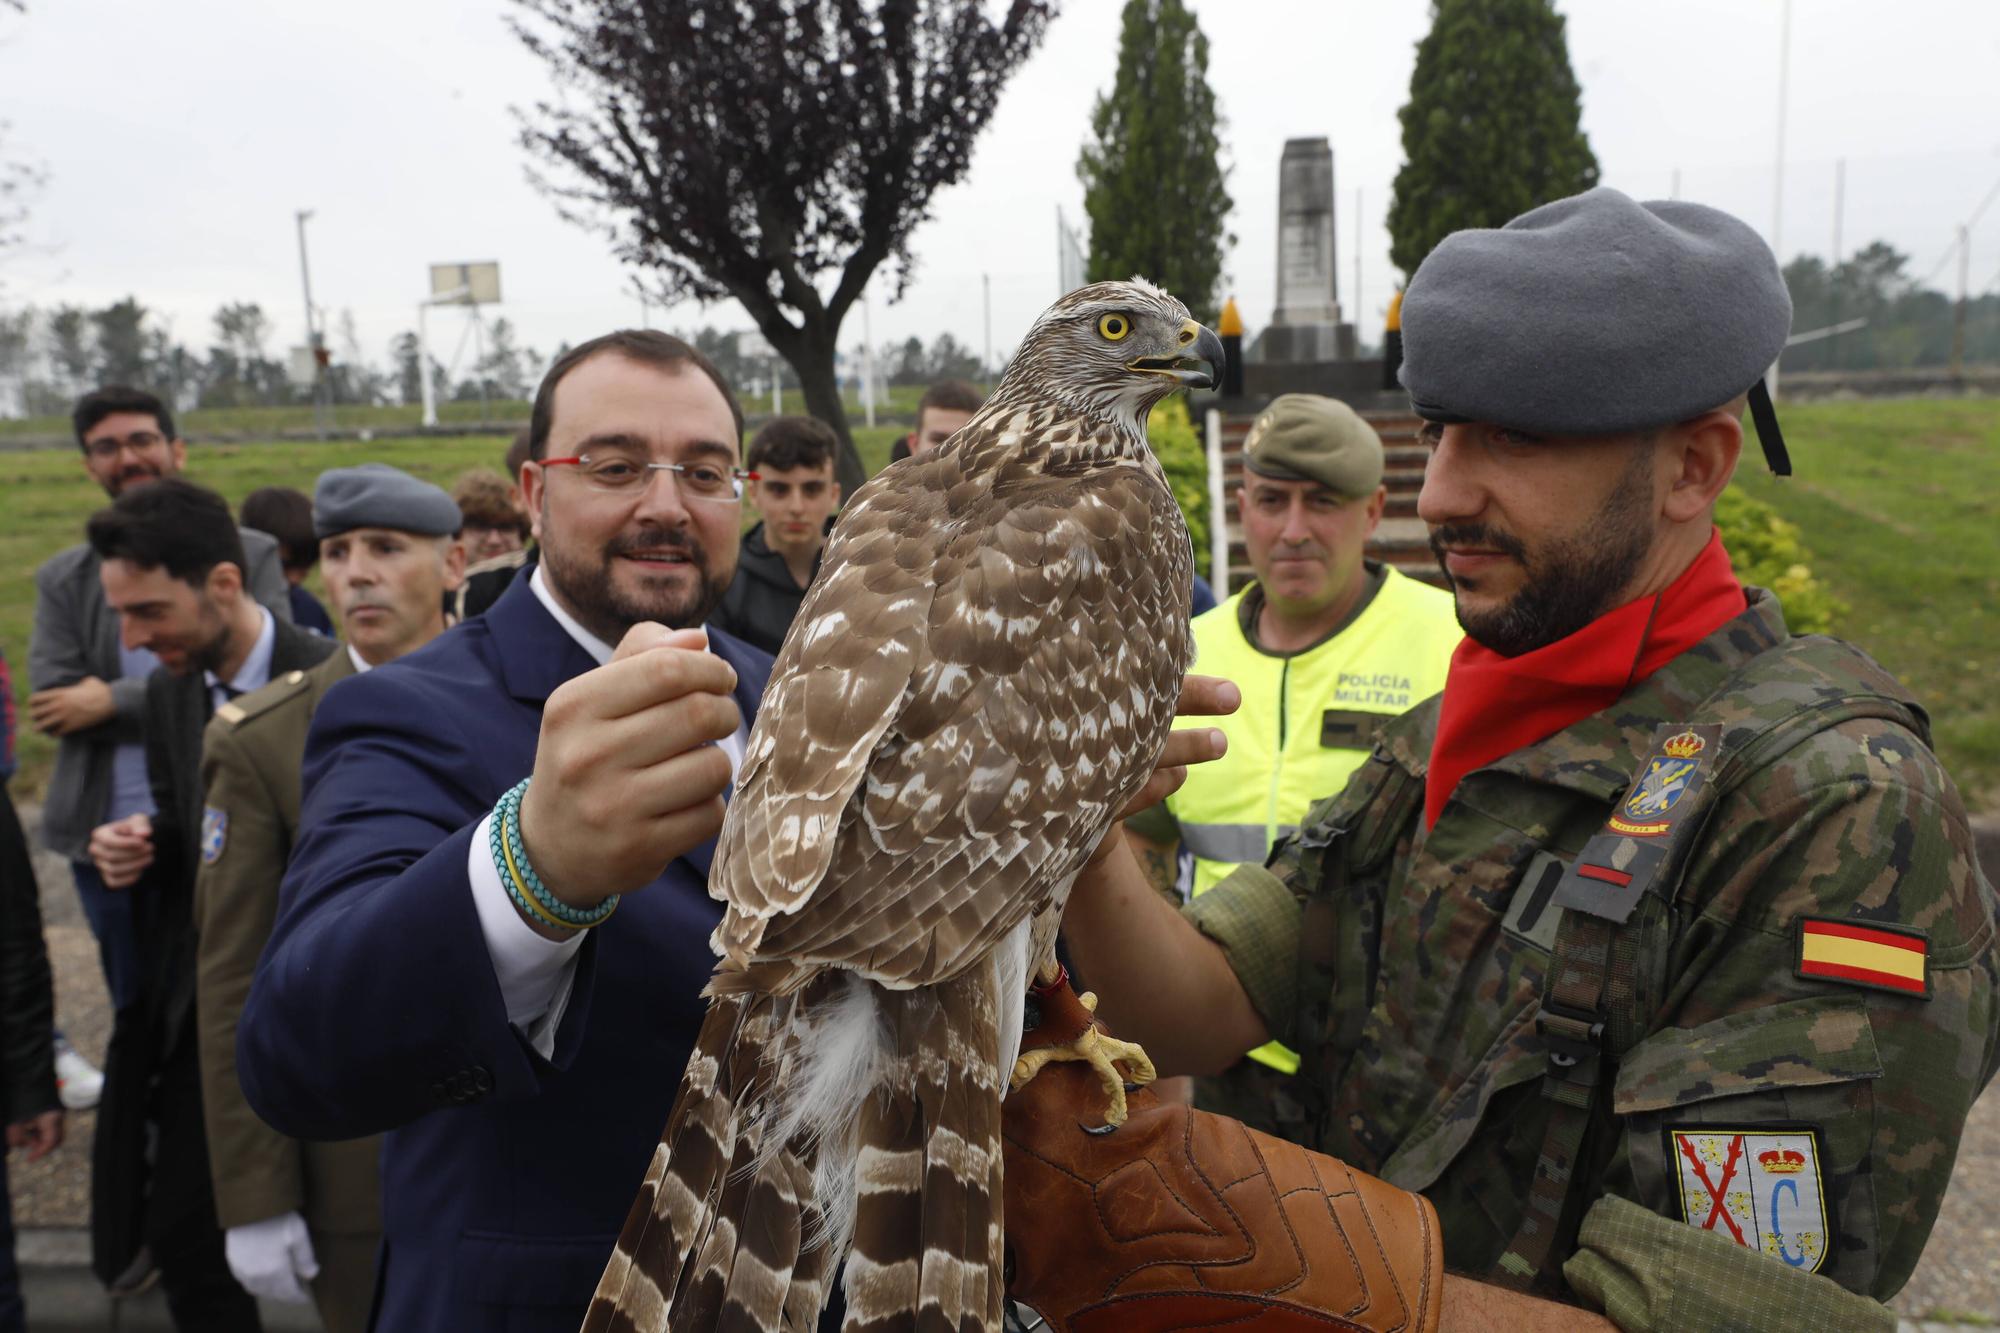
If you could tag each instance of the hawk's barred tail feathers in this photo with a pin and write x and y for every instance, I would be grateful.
(926, 1250)
(713, 1240)
(727, 1235)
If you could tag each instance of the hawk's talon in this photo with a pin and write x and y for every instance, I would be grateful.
(1102, 1053)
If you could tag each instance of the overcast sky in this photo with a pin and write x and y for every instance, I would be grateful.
(180, 138)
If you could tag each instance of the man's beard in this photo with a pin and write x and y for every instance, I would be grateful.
(586, 586)
(1572, 580)
(137, 474)
(211, 655)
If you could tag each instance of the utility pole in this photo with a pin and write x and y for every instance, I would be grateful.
(1778, 173)
(312, 331)
(1833, 269)
(1675, 191)
(1839, 204)
(1958, 316)
(986, 304)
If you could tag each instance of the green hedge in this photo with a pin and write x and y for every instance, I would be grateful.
(1172, 435)
(1766, 550)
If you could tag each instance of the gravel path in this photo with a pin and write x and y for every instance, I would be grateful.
(1958, 1277)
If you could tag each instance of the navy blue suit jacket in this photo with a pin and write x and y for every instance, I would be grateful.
(505, 1177)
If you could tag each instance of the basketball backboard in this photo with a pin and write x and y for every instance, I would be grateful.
(476, 283)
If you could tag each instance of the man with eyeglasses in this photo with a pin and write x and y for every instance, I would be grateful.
(90, 690)
(442, 968)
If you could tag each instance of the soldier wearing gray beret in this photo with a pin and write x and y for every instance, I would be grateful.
(1597, 315)
(1651, 951)
(303, 1216)
(375, 495)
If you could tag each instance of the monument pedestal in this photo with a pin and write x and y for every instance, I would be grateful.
(1295, 343)
(1306, 325)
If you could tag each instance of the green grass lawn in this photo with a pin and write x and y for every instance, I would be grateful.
(1899, 500)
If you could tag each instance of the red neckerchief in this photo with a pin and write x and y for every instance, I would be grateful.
(1495, 705)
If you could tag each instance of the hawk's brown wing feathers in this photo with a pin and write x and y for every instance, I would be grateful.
(981, 677)
(973, 690)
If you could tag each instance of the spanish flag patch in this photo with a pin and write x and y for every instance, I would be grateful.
(1887, 958)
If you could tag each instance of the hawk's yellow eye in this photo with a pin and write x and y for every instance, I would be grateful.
(1114, 327)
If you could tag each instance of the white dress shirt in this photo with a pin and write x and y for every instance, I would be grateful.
(535, 973)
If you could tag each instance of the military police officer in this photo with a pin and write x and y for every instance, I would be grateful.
(1653, 953)
(299, 1213)
(1325, 645)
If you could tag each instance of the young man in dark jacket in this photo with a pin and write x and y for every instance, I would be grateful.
(795, 495)
(28, 1103)
(171, 565)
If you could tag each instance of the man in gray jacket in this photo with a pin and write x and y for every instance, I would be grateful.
(89, 689)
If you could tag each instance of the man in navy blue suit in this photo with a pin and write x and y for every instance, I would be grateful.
(522, 1067)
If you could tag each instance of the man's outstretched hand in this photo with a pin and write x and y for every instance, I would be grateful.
(628, 774)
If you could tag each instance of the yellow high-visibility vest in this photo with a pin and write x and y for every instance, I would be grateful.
(1308, 720)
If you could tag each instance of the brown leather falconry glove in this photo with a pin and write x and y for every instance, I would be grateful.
(1180, 1219)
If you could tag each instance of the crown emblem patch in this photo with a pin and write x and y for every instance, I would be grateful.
(1684, 746)
(1670, 774)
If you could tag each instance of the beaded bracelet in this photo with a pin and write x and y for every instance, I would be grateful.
(523, 885)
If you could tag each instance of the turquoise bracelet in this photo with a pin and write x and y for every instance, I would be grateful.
(523, 885)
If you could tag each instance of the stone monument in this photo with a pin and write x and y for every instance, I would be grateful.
(1306, 325)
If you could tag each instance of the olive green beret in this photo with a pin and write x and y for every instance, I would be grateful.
(1304, 437)
(375, 495)
(1594, 315)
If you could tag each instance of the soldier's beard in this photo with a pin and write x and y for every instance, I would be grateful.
(1571, 580)
(595, 596)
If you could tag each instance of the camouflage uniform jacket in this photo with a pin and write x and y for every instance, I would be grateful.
(1407, 968)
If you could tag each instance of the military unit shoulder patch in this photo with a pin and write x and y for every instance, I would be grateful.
(1759, 1186)
(214, 834)
(1671, 773)
(1874, 957)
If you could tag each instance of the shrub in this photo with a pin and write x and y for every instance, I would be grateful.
(1171, 433)
(1766, 550)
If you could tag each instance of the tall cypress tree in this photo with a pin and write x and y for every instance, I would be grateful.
(1492, 127)
(1154, 183)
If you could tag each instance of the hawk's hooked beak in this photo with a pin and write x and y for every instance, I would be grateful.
(1198, 345)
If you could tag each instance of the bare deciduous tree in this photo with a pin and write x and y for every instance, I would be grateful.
(774, 151)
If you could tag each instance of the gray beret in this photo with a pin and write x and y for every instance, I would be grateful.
(1594, 315)
(375, 495)
(1304, 437)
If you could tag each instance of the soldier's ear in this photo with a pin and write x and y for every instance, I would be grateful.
(453, 553)
(1701, 458)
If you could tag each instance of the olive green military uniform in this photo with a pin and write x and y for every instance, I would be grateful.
(1750, 1099)
(251, 754)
